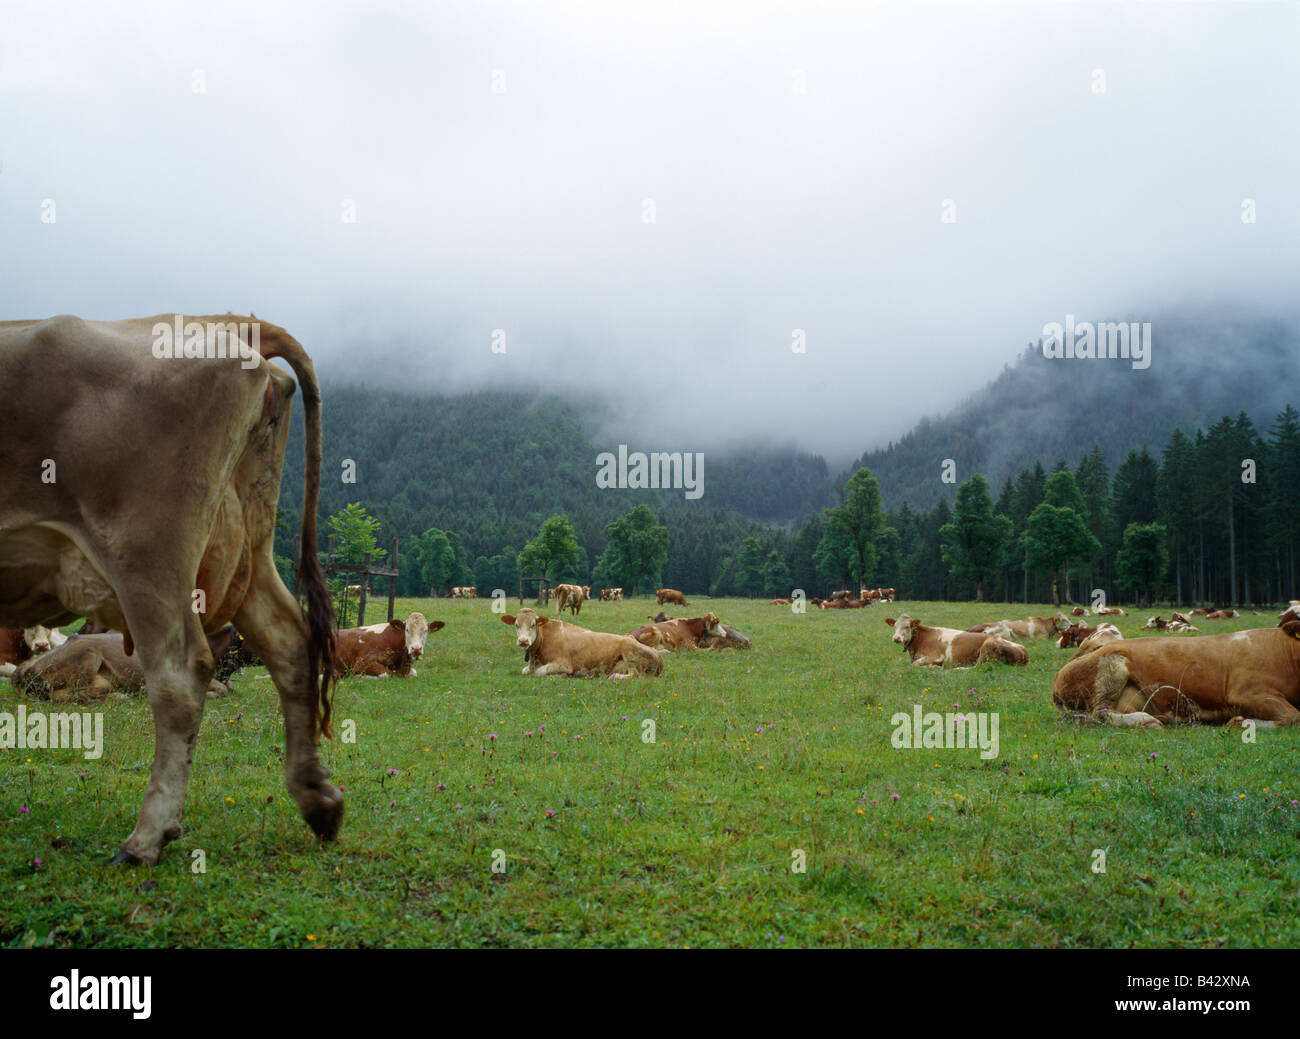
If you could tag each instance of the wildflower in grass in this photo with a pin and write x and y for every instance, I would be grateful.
(24, 810)
(36, 863)
(441, 786)
(230, 800)
(311, 937)
(392, 771)
(392, 804)
(1035, 758)
(492, 735)
(895, 797)
(550, 812)
(859, 811)
(457, 804)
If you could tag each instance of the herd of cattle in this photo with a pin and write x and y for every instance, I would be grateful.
(1237, 678)
(141, 493)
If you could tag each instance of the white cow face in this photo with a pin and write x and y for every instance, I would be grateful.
(903, 630)
(526, 625)
(713, 626)
(39, 639)
(417, 630)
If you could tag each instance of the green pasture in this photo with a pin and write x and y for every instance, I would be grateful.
(608, 840)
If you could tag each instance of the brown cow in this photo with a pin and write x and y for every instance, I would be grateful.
(1251, 675)
(570, 596)
(672, 595)
(611, 594)
(948, 647)
(552, 647)
(1221, 615)
(1079, 611)
(20, 644)
(1029, 628)
(95, 667)
(1073, 635)
(1111, 611)
(682, 633)
(379, 650)
(126, 543)
(1101, 635)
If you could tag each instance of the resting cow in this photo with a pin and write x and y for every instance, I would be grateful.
(1101, 635)
(681, 633)
(948, 647)
(1029, 628)
(672, 595)
(1251, 675)
(384, 649)
(1111, 611)
(20, 644)
(552, 647)
(125, 537)
(96, 667)
(729, 639)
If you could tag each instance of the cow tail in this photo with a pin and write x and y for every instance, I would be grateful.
(311, 578)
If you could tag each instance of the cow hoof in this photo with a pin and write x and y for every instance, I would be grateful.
(124, 857)
(326, 818)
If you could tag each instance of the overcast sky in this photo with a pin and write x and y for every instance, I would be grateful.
(797, 158)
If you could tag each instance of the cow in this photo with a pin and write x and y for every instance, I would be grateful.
(1101, 635)
(948, 647)
(1178, 623)
(883, 594)
(1079, 611)
(1291, 613)
(729, 639)
(672, 595)
(843, 593)
(779, 602)
(1111, 611)
(1221, 615)
(1029, 628)
(682, 633)
(462, 592)
(379, 650)
(611, 595)
(97, 667)
(1233, 678)
(1073, 635)
(571, 596)
(658, 618)
(127, 538)
(20, 644)
(552, 647)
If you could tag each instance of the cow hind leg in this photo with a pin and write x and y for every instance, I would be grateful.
(272, 622)
(178, 666)
(1267, 710)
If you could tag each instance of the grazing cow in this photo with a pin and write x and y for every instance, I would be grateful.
(730, 639)
(948, 647)
(379, 650)
(96, 667)
(682, 633)
(571, 596)
(462, 592)
(1101, 635)
(20, 644)
(1111, 611)
(611, 595)
(1029, 628)
(672, 595)
(883, 594)
(127, 537)
(1242, 676)
(552, 647)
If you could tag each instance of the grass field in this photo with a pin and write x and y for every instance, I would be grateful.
(609, 840)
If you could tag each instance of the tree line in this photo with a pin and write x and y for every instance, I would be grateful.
(1213, 519)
